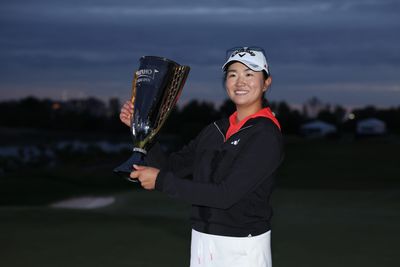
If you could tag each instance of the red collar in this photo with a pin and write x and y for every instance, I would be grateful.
(235, 126)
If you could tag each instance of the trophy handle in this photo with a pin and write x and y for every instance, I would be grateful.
(170, 99)
(133, 96)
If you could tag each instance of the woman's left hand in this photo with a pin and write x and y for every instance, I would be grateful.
(146, 175)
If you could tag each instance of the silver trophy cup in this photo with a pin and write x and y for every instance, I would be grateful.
(156, 87)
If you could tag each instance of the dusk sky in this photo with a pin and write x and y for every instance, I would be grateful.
(344, 52)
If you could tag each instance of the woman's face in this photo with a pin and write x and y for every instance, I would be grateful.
(244, 86)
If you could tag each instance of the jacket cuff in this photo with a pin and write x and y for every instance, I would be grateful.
(160, 180)
(154, 156)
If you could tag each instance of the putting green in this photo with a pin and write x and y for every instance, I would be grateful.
(310, 228)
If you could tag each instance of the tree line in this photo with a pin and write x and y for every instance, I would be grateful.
(92, 114)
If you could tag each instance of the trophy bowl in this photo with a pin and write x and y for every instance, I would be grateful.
(156, 87)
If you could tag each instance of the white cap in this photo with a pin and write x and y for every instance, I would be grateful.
(253, 59)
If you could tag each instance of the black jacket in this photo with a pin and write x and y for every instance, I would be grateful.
(230, 181)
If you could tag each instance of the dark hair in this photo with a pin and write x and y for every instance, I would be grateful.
(265, 102)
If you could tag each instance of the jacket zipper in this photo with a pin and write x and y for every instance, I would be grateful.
(219, 130)
(223, 136)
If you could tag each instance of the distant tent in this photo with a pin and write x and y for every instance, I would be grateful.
(371, 126)
(318, 128)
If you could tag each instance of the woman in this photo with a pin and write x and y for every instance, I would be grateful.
(232, 165)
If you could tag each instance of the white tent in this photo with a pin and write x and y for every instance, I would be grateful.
(318, 128)
(371, 126)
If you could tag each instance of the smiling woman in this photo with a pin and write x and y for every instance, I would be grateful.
(245, 87)
(227, 172)
(247, 78)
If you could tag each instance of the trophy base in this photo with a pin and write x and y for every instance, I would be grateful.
(124, 170)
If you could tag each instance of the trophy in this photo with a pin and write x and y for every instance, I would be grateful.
(155, 90)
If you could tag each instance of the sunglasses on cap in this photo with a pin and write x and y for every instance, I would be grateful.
(243, 49)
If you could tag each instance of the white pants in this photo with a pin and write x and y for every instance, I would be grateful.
(224, 251)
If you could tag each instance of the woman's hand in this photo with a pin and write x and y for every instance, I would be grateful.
(146, 175)
(126, 113)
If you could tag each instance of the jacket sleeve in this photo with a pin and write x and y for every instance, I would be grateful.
(181, 162)
(257, 161)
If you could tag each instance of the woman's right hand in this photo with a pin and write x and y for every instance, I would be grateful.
(126, 113)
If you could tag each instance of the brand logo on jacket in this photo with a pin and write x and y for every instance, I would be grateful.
(235, 142)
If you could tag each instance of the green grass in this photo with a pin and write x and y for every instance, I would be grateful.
(336, 228)
(360, 164)
(310, 228)
(336, 204)
(140, 229)
(74, 175)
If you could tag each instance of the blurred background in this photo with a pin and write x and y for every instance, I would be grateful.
(66, 68)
